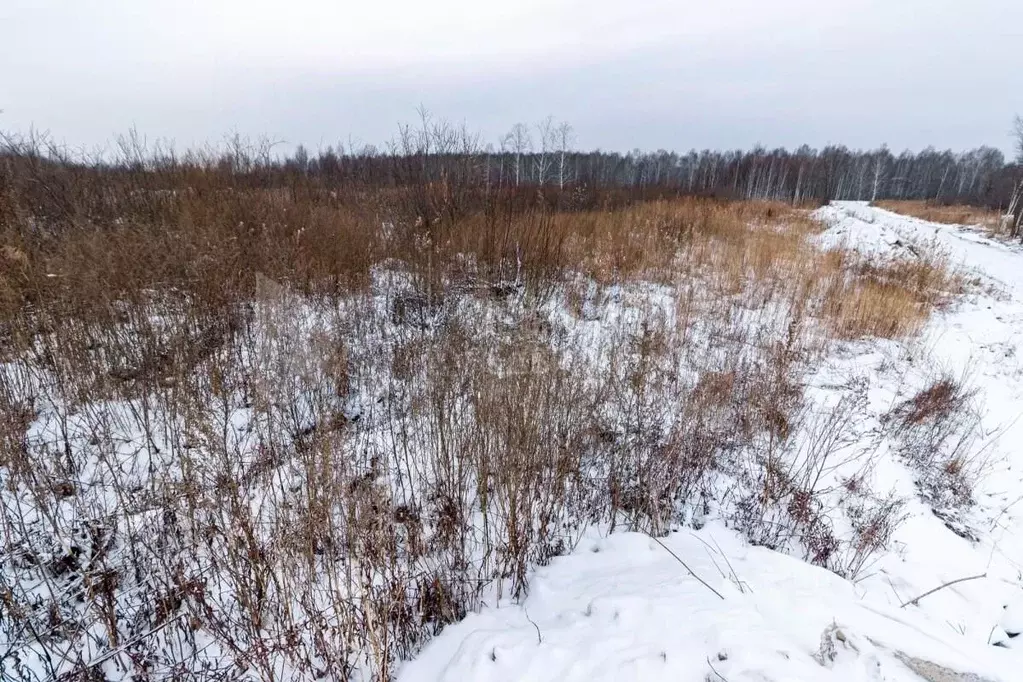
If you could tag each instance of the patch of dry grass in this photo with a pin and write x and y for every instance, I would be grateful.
(937, 431)
(989, 219)
(890, 299)
(294, 428)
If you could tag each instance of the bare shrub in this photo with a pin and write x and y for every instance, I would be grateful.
(808, 482)
(937, 431)
(873, 519)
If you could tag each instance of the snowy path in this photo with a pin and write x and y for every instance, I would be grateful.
(623, 608)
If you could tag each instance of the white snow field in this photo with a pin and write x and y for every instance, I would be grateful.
(624, 607)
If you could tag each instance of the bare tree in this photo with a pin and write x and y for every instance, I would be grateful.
(564, 137)
(880, 159)
(545, 131)
(520, 143)
(488, 152)
(1016, 202)
(502, 152)
(1017, 133)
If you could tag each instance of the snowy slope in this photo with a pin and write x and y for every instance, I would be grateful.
(625, 608)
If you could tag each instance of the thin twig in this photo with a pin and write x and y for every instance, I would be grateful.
(941, 587)
(715, 670)
(135, 640)
(738, 581)
(539, 639)
(684, 565)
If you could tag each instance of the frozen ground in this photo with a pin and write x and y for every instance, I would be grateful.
(625, 608)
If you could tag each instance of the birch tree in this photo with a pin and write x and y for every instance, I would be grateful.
(1018, 134)
(542, 161)
(520, 143)
(564, 137)
(880, 174)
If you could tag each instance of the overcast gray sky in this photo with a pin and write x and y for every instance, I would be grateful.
(675, 74)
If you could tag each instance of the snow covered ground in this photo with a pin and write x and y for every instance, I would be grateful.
(625, 607)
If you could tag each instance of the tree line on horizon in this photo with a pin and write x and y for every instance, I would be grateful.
(435, 152)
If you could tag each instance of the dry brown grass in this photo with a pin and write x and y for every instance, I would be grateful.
(888, 300)
(989, 219)
(310, 428)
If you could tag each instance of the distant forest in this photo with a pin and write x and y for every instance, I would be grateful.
(979, 177)
(543, 156)
(437, 154)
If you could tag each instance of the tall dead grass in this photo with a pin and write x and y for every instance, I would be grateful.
(291, 432)
(892, 299)
(989, 219)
